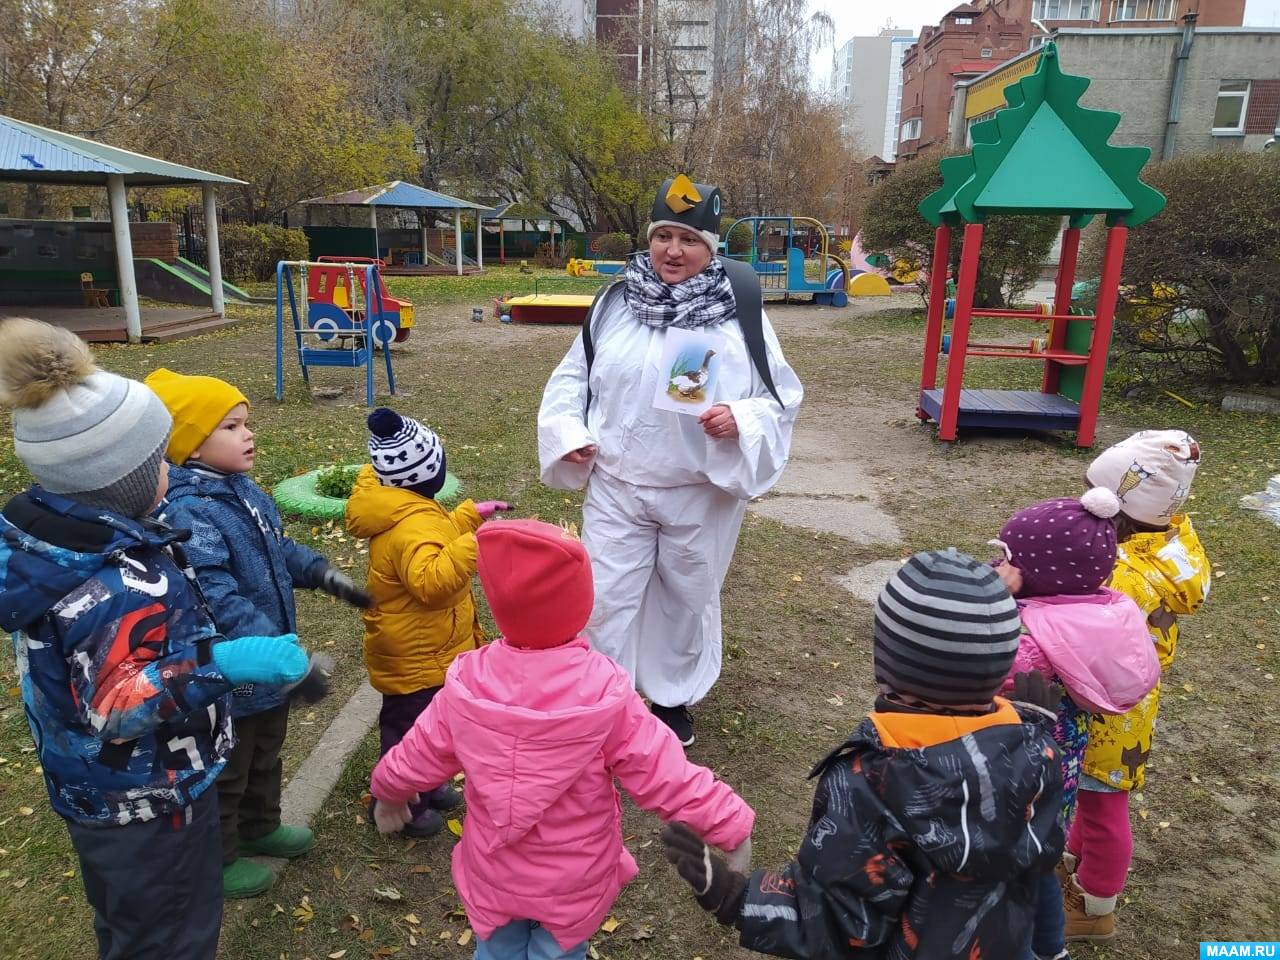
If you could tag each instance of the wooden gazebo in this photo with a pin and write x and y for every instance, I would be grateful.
(35, 154)
(1041, 155)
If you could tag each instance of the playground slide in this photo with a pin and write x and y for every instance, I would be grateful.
(448, 258)
(179, 282)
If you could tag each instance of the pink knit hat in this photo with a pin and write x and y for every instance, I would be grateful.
(537, 577)
(1151, 473)
(1064, 546)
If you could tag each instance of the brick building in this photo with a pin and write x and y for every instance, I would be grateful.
(1122, 14)
(968, 42)
(1228, 98)
(975, 38)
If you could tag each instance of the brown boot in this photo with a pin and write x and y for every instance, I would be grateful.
(1088, 917)
(1064, 870)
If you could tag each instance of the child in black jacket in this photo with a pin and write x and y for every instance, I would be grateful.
(933, 822)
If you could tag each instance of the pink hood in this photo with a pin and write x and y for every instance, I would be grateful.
(1097, 644)
(541, 735)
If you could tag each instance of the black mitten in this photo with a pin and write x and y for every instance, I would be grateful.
(718, 890)
(337, 584)
(314, 685)
(1033, 691)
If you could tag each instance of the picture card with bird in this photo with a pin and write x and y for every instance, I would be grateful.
(690, 365)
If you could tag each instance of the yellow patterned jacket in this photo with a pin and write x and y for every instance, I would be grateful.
(1168, 575)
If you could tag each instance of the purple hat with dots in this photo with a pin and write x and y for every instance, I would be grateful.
(1064, 546)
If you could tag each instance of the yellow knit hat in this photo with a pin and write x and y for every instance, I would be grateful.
(197, 404)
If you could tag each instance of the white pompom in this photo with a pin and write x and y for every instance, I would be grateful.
(1101, 502)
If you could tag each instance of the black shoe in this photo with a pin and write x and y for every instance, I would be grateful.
(426, 824)
(678, 719)
(443, 798)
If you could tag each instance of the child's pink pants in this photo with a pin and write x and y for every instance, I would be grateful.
(1102, 840)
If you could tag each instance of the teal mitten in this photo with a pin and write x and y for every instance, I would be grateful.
(270, 660)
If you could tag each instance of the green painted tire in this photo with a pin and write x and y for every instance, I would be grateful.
(298, 496)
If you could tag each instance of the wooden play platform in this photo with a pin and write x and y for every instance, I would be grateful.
(1007, 409)
(107, 324)
(1042, 155)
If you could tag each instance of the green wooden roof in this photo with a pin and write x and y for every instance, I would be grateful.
(1045, 154)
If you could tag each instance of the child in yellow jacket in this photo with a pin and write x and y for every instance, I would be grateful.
(1162, 566)
(421, 560)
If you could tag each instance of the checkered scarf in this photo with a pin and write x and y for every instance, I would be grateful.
(703, 300)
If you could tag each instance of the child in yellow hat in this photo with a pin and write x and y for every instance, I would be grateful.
(247, 569)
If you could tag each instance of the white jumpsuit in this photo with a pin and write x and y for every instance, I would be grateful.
(664, 501)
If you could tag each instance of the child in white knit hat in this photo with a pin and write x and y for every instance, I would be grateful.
(1162, 566)
(124, 678)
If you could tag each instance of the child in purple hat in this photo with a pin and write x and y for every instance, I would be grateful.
(1089, 638)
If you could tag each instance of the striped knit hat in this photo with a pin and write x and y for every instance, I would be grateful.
(405, 454)
(946, 631)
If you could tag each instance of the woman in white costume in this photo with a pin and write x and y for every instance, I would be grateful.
(666, 491)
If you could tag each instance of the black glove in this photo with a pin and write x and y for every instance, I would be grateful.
(718, 890)
(1033, 691)
(337, 584)
(314, 685)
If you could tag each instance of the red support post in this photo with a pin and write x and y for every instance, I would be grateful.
(965, 287)
(1096, 369)
(937, 311)
(1061, 305)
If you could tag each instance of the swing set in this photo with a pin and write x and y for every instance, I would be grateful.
(332, 328)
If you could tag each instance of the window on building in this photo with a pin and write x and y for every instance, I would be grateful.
(974, 121)
(1064, 10)
(910, 130)
(1142, 9)
(1233, 99)
(964, 21)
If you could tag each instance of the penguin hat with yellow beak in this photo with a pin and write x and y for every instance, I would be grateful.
(694, 206)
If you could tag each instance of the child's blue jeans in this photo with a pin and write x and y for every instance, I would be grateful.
(1048, 934)
(525, 940)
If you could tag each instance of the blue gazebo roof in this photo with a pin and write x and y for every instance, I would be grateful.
(33, 154)
(397, 193)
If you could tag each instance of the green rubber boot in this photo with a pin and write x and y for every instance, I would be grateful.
(283, 841)
(244, 878)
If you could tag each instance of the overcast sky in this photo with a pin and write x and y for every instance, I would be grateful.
(864, 18)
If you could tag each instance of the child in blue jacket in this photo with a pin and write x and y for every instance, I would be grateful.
(247, 569)
(123, 676)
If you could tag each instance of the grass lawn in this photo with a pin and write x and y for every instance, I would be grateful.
(797, 671)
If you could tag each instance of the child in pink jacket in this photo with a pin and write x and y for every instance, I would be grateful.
(542, 725)
(1089, 638)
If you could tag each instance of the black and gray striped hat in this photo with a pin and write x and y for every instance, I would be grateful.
(946, 631)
